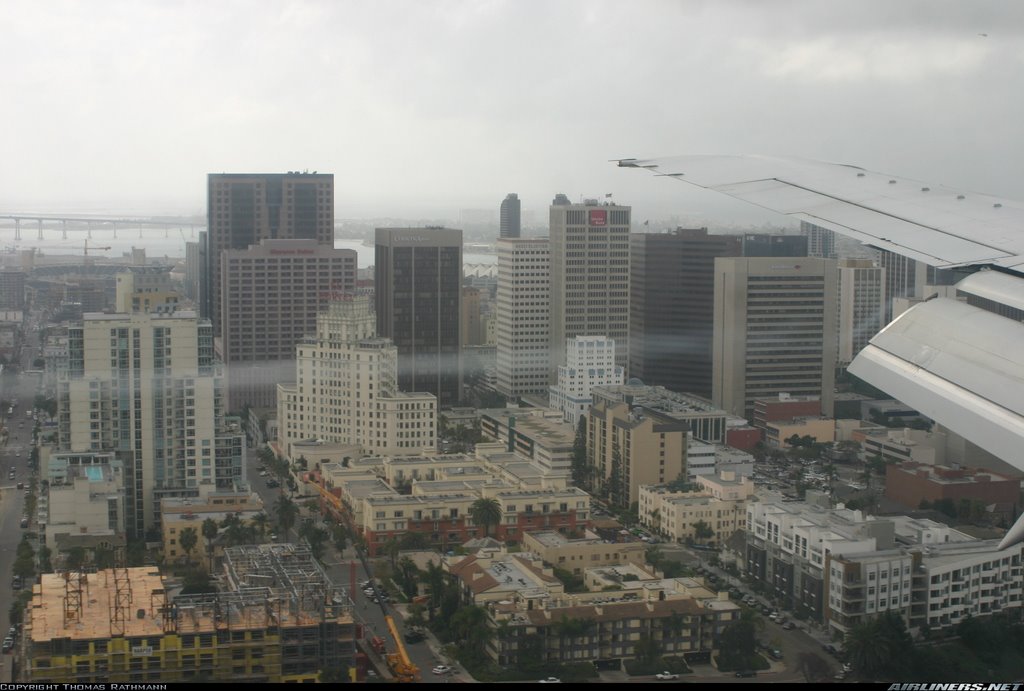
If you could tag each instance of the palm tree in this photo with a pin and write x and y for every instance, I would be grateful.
(486, 512)
(287, 513)
(261, 522)
(188, 539)
(209, 530)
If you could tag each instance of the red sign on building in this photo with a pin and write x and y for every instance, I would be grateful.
(598, 217)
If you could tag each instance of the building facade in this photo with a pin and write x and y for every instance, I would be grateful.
(672, 290)
(510, 222)
(418, 286)
(861, 306)
(346, 390)
(273, 292)
(775, 330)
(590, 362)
(243, 209)
(589, 275)
(147, 386)
(821, 242)
(523, 328)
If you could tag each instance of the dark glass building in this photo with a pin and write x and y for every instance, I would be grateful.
(418, 286)
(672, 295)
(510, 217)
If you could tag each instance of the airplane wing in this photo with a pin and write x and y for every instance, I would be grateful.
(960, 364)
(937, 225)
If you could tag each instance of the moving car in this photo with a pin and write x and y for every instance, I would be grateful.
(8, 644)
(550, 680)
(442, 669)
(666, 676)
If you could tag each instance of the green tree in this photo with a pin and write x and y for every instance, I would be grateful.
(813, 667)
(261, 522)
(703, 532)
(580, 470)
(75, 559)
(45, 554)
(435, 578)
(646, 649)
(408, 577)
(879, 647)
(287, 513)
(486, 512)
(188, 539)
(414, 540)
(209, 530)
(416, 616)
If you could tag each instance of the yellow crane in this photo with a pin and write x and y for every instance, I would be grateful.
(398, 662)
(86, 248)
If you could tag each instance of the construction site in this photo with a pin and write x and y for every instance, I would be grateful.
(276, 618)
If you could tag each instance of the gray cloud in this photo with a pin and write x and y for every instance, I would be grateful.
(442, 105)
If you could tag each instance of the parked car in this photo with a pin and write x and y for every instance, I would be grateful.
(789, 626)
(746, 673)
(414, 637)
(666, 676)
(550, 680)
(775, 653)
(442, 669)
(8, 644)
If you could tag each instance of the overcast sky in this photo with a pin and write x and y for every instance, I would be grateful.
(429, 106)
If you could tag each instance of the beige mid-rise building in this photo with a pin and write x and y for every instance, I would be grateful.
(630, 446)
(346, 390)
(774, 331)
(145, 289)
(720, 504)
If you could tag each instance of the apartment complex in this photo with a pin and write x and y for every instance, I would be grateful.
(589, 275)
(719, 504)
(705, 421)
(243, 209)
(85, 505)
(440, 490)
(590, 362)
(672, 291)
(937, 585)
(418, 288)
(279, 619)
(273, 293)
(523, 328)
(531, 607)
(576, 554)
(12, 289)
(346, 389)
(631, 446)
(537, 434)
(821, 242)
(179, 514)
(147, 387)
(775, 330)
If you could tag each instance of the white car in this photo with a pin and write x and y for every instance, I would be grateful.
(442, 669)
(666, 676)
(550, 680)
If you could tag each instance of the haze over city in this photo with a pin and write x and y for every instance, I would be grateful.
(422, 109)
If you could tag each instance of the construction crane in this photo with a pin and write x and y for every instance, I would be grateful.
(398, 662)
(86, 248)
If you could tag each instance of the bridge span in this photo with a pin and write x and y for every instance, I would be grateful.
(102, 226)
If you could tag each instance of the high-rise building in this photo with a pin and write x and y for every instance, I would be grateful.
(821, 242)
(12, 289)
(418, 287)
(195, 265)
(589, 275)
(243, 209)
(523, 316)
(273, 292)
(510, 217)
(472, 322)
(775, 330)
(346, 389)
(672, 292)
(861, 305)
(904, 277)
(147, 387)
(590, 362)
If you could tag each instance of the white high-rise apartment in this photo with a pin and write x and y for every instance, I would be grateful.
(590, 362)
(523, 316)
(346, 389)
(589, 275)
(147, 387)
(861, 305)
(774, 330)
